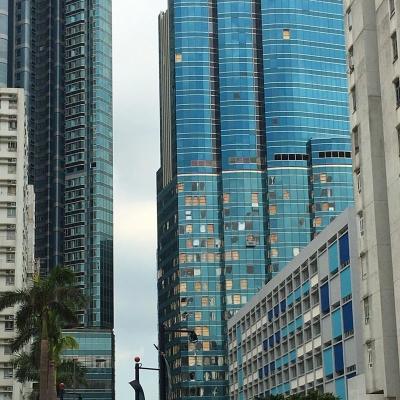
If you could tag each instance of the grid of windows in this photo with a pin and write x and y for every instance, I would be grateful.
(299, 333)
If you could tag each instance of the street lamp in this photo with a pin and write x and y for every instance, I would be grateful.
(137, 387)
(163, 362)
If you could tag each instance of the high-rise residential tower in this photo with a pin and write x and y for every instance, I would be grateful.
(255, 161)
(17, 224)
(372, 31)
(60, 52)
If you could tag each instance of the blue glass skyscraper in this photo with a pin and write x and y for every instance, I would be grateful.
(255, 161)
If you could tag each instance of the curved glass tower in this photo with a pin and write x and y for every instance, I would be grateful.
(254, 163)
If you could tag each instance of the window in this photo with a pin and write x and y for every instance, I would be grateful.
(10, 280)
(10, 234)
(353, 98)
(178, 57)
(12, 125)
(226, 198)
(228, 284)
(356, 139)
(8, 373)
(9, 325)
(358, 180)
(11, 212)
(236, 299)
(11, 190)
(243, 284)
(391, 8)
(286, 34)
(12, 146)
(395, 50)
(254, 199)
(286, 195)
(10, 257)
(396, 83)
(12, 104)
(366, 310)
(272, 209)
(361, 223)
(12, 168)
(350, 59)
(349, 18)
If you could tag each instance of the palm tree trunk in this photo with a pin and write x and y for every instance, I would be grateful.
(44, 361)
(52, 391)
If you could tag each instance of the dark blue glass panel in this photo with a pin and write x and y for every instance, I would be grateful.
(344, 249)
(277, 337)
(270, 315)
(283, 305)
(276, 310)
(338, 356)
(348, 324)
(265, 344)
(325, 298)
(271, 341)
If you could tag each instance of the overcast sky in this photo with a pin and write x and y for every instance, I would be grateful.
(136, 155)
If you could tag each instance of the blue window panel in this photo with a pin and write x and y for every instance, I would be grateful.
(278, 363)
(266, 370)
(297, 294)
(291, 327)
(340, 388)
(260, 373)
(344, 249)
(293, 356)
(284, 331)
(299, 322)
(270, 315)
(328, 361)
(325, 304)
(333, 257)
(240, 377)
(290, 299)
(265, 344)
(337, 324)
(238, 334)
(239, 356)
(271, 341)
(285, 359)
(277, 337)
(286, 388)
(345, 283)
(283, 305)
(306, 287)
(276, 311)
(272, 366)
(338, 354)
(348, 323)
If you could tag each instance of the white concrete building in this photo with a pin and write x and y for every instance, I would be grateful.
(16, 225)
(372, 31)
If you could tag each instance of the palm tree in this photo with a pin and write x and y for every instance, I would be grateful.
(47, 306)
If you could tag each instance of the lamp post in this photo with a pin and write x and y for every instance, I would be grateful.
(137, 387)
(165, 381)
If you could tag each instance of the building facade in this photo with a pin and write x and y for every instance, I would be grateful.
(255, 161)
(302, 331)
(60, 53)
(16, 226)
(372, 46)
(100, 369)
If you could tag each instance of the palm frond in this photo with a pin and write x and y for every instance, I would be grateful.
(10, 299)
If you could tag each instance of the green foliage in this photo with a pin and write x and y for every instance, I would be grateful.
(309, 396)
(44, 309)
